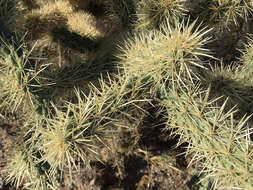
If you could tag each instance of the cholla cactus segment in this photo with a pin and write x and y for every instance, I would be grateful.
(230, 163)
(25, 168)
(84, 24)
(18, 78)
(23, 171)
(18, 169)
(216, 140)
(60, 14)
(222, 14)
(124, 97)
(68, 33)
(226, 82)
(126, 11)
(166, 54)
(77, 132)
(81, 128)
(152, 13)
(8, 14)
(65, 14)
(247, 63)
(47, 7)
(65, 140)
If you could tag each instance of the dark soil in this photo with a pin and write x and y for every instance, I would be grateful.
(8, 128)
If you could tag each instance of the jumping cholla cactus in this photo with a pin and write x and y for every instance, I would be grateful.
(221, 14)
(163, 64)
(72, 135)
(153, 13)
(213, 135)
(19, 78)
(226, 82)
(174, 52)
